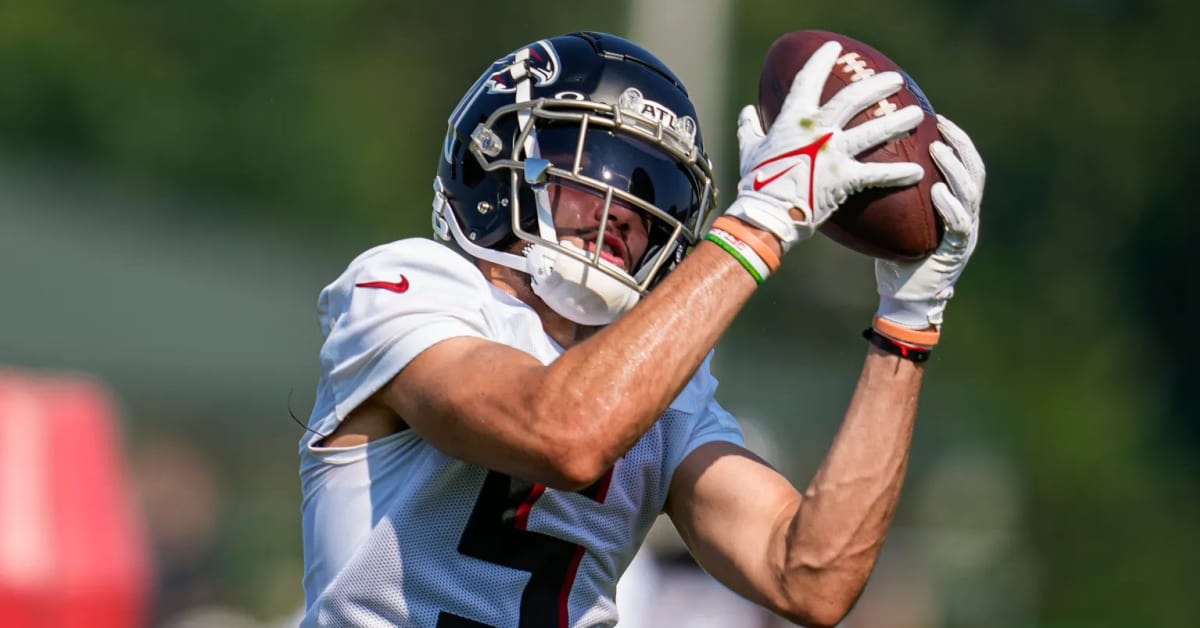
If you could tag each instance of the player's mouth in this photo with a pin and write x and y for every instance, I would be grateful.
(612, 250)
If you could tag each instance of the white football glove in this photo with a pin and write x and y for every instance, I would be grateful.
(914, 294)
(806, 160)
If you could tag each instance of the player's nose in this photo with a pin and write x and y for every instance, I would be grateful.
(623, 218)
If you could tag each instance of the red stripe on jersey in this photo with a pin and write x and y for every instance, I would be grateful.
(523, 510)
(600, 489)
(564, 596)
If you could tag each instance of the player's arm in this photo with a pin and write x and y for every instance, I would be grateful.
(564, 424)
(805, 556)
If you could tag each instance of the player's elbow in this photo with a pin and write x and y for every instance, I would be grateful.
(564, 463)
(818, 616)
(574, 454)
(821, 604)
(574, 469)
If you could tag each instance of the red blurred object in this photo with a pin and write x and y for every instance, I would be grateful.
(72, 548)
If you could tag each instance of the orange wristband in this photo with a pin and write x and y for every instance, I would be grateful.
(922, 337)
(745, 233)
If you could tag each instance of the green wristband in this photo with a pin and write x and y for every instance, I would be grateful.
(741, 252)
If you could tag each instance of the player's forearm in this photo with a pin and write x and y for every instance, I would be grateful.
(840, 525)
(566, 423)
(611, 388)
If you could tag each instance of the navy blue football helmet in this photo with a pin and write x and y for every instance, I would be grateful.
(588, 110)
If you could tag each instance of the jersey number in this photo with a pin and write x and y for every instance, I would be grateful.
(496, 533)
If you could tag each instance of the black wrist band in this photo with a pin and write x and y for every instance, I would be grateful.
(895, 347)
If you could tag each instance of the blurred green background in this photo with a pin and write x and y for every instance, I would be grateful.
(178, 180)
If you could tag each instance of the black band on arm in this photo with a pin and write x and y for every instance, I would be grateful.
(895, 347)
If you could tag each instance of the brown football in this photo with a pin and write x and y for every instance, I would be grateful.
(893, 223)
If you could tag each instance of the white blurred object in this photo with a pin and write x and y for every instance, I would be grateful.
(653, 594)
(664, 587)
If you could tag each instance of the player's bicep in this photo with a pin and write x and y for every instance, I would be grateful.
(732, 510)
(470, 397)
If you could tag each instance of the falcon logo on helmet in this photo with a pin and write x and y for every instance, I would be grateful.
(538, 61)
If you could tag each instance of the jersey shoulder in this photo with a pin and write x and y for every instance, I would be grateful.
(414, 259)
(427, 272)
(390, 304)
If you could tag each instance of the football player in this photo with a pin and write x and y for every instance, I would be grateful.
(505, 409)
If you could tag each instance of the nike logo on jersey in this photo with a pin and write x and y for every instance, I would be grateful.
(400, 287)
(809, 151)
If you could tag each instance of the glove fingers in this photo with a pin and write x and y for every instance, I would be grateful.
(858, 96)
(965, 148)
(958, 220)
(749, 136)
(956, 174)
(877, 175)
(749, 126)
(880, 130)
(805, 93)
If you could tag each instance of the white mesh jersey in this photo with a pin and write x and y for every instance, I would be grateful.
(396, 533)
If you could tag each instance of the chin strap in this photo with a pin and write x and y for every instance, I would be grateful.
(524, 92)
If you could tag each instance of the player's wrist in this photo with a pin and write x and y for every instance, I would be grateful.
(907, 350)
(785, 225)
(924, 334)
(755, 249)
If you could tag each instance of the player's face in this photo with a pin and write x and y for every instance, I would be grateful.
(577, 215)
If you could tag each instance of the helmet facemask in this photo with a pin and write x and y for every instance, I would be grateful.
(649, 166)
